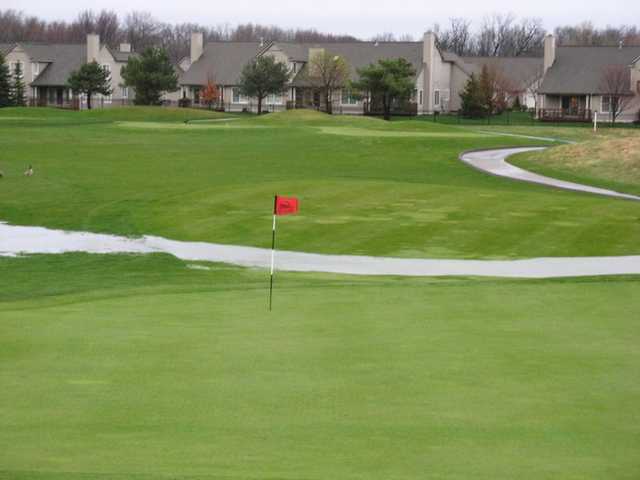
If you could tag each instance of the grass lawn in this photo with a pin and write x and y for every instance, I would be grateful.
(139, 367)
(604, 160)
(366, 186)
(125, 367)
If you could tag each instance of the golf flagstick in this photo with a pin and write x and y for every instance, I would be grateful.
(281, 206)
(273, 251)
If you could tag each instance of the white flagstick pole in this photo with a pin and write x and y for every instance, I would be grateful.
(273, 252)
(595, 122)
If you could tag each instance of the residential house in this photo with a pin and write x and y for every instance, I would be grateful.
(439, 77)
(574, 85)
(47, 67)
(222, 64)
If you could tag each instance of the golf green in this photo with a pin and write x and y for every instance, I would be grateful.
(142, 367)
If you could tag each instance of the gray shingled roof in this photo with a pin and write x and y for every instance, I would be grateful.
(579, 70)
(5, 48)
(222, 60)
(120, 56)
(63, 59)
(520, 71)
(357, 54)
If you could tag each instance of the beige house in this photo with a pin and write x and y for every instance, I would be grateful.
(47, 67)
(440, 76)
(575, 86)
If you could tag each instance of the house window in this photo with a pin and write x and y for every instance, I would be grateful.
(14, 65)
(347, 98)
(35, 69)
(609, 104)
(436, 97)
(295, 67)
(274, 99)
(238, 97)
(106, 67)
(125, 92)
(420, 97)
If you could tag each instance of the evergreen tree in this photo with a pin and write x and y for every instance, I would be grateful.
(5, 83)
(151, 75)
(388, 81)
(89, 79)
(263, 76)
(17, 95)
(472, 99)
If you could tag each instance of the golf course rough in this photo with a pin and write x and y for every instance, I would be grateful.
(397, 191)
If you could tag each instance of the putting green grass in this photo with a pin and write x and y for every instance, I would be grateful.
(605, 160)
(141, 367)
(394, 189)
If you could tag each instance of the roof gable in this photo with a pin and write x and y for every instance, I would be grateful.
(579, 70)
(223, 61)
(62, 59)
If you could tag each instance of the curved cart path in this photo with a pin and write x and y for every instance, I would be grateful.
(15, 240)
(494, 162)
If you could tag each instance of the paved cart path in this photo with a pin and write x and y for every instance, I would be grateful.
(18, 240)
(494, 162)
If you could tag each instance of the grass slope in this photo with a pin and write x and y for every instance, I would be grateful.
(366, 186)
(610, 162)
(137, 367)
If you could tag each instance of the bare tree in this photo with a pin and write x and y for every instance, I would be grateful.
(531, 82)
(141, 30)
(494, 34)
(457, 38)
(615, 83)
(327, 72)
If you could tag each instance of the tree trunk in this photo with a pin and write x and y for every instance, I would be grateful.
(259, 105)
(88, 101)
(327, 101)
(386, 106)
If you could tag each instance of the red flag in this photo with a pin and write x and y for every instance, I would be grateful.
(285, 205)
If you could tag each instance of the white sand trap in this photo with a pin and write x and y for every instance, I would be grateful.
(17, 240)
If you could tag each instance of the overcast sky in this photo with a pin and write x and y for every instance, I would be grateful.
(362, 18)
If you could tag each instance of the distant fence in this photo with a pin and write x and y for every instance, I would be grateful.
(524, 118)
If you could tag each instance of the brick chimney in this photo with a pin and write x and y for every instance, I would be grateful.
(93, 47)
(197, 46)
(549, 51)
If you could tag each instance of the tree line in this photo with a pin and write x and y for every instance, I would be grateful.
(142, 30)
(495, 35)
(504, 35)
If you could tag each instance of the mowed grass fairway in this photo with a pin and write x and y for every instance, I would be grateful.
(366, 186)
(144, 367)
(124, 367)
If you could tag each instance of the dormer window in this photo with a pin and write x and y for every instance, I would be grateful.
(35, 69)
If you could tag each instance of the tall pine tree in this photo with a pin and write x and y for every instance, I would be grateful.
(18, 95)
(472, 99)
(5, 83)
